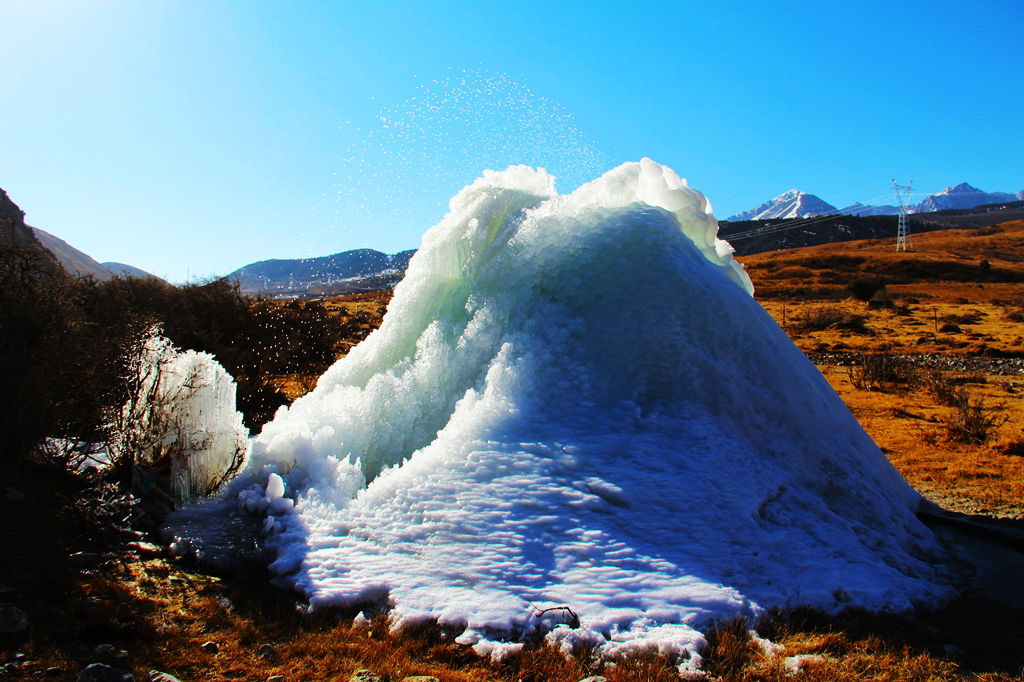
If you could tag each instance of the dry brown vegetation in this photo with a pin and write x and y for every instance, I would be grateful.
(959, 295)
(360, 313)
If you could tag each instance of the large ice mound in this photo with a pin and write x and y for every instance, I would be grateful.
(575, 401)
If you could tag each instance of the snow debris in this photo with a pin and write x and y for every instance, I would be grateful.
(794, 665)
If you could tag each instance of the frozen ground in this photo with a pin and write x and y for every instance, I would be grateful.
(575, 401)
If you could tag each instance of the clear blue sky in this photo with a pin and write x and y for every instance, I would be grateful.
(191, 137)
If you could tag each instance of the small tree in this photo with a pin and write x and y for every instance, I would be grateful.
(178, 433)
(864, 288)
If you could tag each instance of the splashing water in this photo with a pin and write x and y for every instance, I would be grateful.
(398, 169)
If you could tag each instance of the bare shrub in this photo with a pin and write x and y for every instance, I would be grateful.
(972, 317)
(864, 288)
(881, 299)
(944, 387)
(882, 370)
(1014, 448)
(830, 317)
(971, 422)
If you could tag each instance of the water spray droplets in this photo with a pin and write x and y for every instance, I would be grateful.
(397, 173)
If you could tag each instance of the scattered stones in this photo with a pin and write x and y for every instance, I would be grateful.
(594, 678)
(157, 676)
(12, 619)
(365, 676)
(267, 651)
(111, 655)
(100, 672)
(948, 363)
(210, 647)
(54, 671)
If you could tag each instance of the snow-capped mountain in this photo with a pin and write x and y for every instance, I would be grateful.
(795, 204)
(963, 196)
(791, 204)
(859, 209)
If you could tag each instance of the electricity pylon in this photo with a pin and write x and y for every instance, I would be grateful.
(903, 197)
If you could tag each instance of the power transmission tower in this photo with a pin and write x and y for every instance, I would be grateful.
(903, 197)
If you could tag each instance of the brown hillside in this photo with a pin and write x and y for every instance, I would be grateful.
(959, 292)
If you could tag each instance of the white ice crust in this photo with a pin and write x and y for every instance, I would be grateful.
(576, 401)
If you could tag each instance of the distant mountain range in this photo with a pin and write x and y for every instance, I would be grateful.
(340, 273)
(776, 234)
(797, 204)
(768, 227)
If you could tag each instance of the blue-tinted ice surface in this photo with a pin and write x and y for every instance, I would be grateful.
(575, 400)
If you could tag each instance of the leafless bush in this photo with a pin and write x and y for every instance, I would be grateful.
(829, 317)
(944, 387)
(1014, 448)
(971, 317)
(882, 370)
(972, 423)
(881, 299)
(1015, 315)
(864, 288)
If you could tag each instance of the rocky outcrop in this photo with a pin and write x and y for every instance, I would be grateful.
(14, 233)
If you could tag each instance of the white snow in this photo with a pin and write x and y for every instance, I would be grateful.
(575, 401)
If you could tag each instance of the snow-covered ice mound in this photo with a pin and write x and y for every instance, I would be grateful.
(575, 401)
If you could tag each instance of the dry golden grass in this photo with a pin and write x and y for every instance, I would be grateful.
(910, 426)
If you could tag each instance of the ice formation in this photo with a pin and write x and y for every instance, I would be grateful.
(180, 417)
(575, 401)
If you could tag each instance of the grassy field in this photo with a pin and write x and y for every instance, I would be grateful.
(950, 419)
